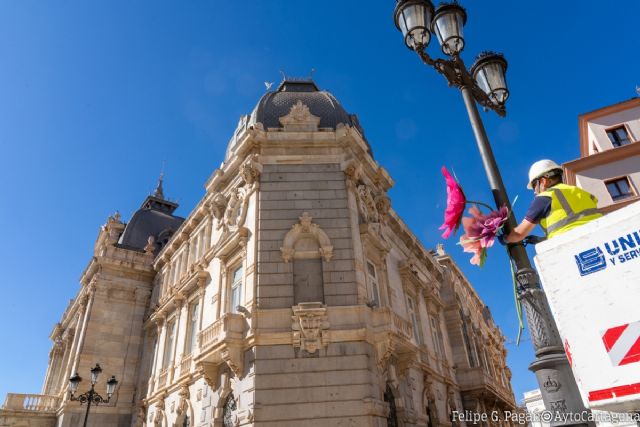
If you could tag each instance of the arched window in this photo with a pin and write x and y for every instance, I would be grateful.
(227, 411)
(392, 418)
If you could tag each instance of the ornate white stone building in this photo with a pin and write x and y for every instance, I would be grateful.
(292, 295)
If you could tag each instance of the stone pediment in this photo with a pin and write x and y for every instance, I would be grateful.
(300, 119)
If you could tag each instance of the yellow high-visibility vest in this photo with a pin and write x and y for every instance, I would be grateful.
(571, 207)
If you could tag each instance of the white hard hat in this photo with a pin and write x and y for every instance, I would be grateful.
(540, 168)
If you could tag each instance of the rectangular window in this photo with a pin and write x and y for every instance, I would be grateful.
(619, 188)
(168, 344)
(471, 351)
(414, 320)
(437, 336)
(236, 289)
(372, 278)
(192, 335)
(618, 136)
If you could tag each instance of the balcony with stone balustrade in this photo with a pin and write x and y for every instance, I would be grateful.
(31, 402)
(477, 382)
(223, 342)
(29, 410)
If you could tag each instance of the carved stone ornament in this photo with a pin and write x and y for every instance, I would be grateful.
(112, 230)
(217, 205)
(305, 228)
(300, 119)
(353, 172)
(236, 209)
(383, 204)
(384, 350)
(251, 170)
(209, 372)
(141, 415)
(367, 205)
(157, 419)
(151, 245)
(116, 217)
(233, 356)
(183, 404)
(310, 322)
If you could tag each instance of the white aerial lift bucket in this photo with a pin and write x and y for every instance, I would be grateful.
(591, 276)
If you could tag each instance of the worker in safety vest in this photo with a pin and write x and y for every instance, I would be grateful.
(557, 207)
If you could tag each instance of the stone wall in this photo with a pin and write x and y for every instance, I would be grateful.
(328, 388)
(286, 192)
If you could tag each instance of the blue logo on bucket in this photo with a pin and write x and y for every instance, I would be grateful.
(590, 261)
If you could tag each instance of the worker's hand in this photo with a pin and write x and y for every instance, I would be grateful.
(533, 240)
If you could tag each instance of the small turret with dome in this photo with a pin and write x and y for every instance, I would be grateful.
(154, 219)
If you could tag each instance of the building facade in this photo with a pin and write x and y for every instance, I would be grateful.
(292, 295)
(609, 163)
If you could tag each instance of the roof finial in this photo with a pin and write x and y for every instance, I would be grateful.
(313, 71)
(159, 193)
(284, 76)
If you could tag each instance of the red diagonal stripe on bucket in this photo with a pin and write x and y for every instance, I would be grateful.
(610, 393)
(633, 355)
(611, 336)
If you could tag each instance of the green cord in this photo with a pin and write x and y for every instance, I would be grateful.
(517, 300)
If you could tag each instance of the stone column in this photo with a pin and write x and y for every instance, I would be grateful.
(185, 255)
(166, 276)
(202, 285)
(352, 173)
(179, 304)
(208, 231)
(189, 254)
(153, 377)
(52, 369)
(162, 337)
(222, 290)
(87, 303)
(62, 375)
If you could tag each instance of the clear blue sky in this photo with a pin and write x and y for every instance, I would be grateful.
(95, 95)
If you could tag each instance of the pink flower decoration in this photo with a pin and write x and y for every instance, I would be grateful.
(480, 232)
(455, 205)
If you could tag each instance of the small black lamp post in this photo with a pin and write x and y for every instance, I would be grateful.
(485, 84)
(91, 396)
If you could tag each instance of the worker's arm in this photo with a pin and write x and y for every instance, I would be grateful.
(520, 232)
(540, 208)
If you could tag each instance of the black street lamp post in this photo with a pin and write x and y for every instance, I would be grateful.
(91, 396)
(485, 84)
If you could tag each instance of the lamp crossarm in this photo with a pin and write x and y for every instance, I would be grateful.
(456, 74)
(90, 396)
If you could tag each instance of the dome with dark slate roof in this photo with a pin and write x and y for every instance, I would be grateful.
(154, 218)
(278, 103)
